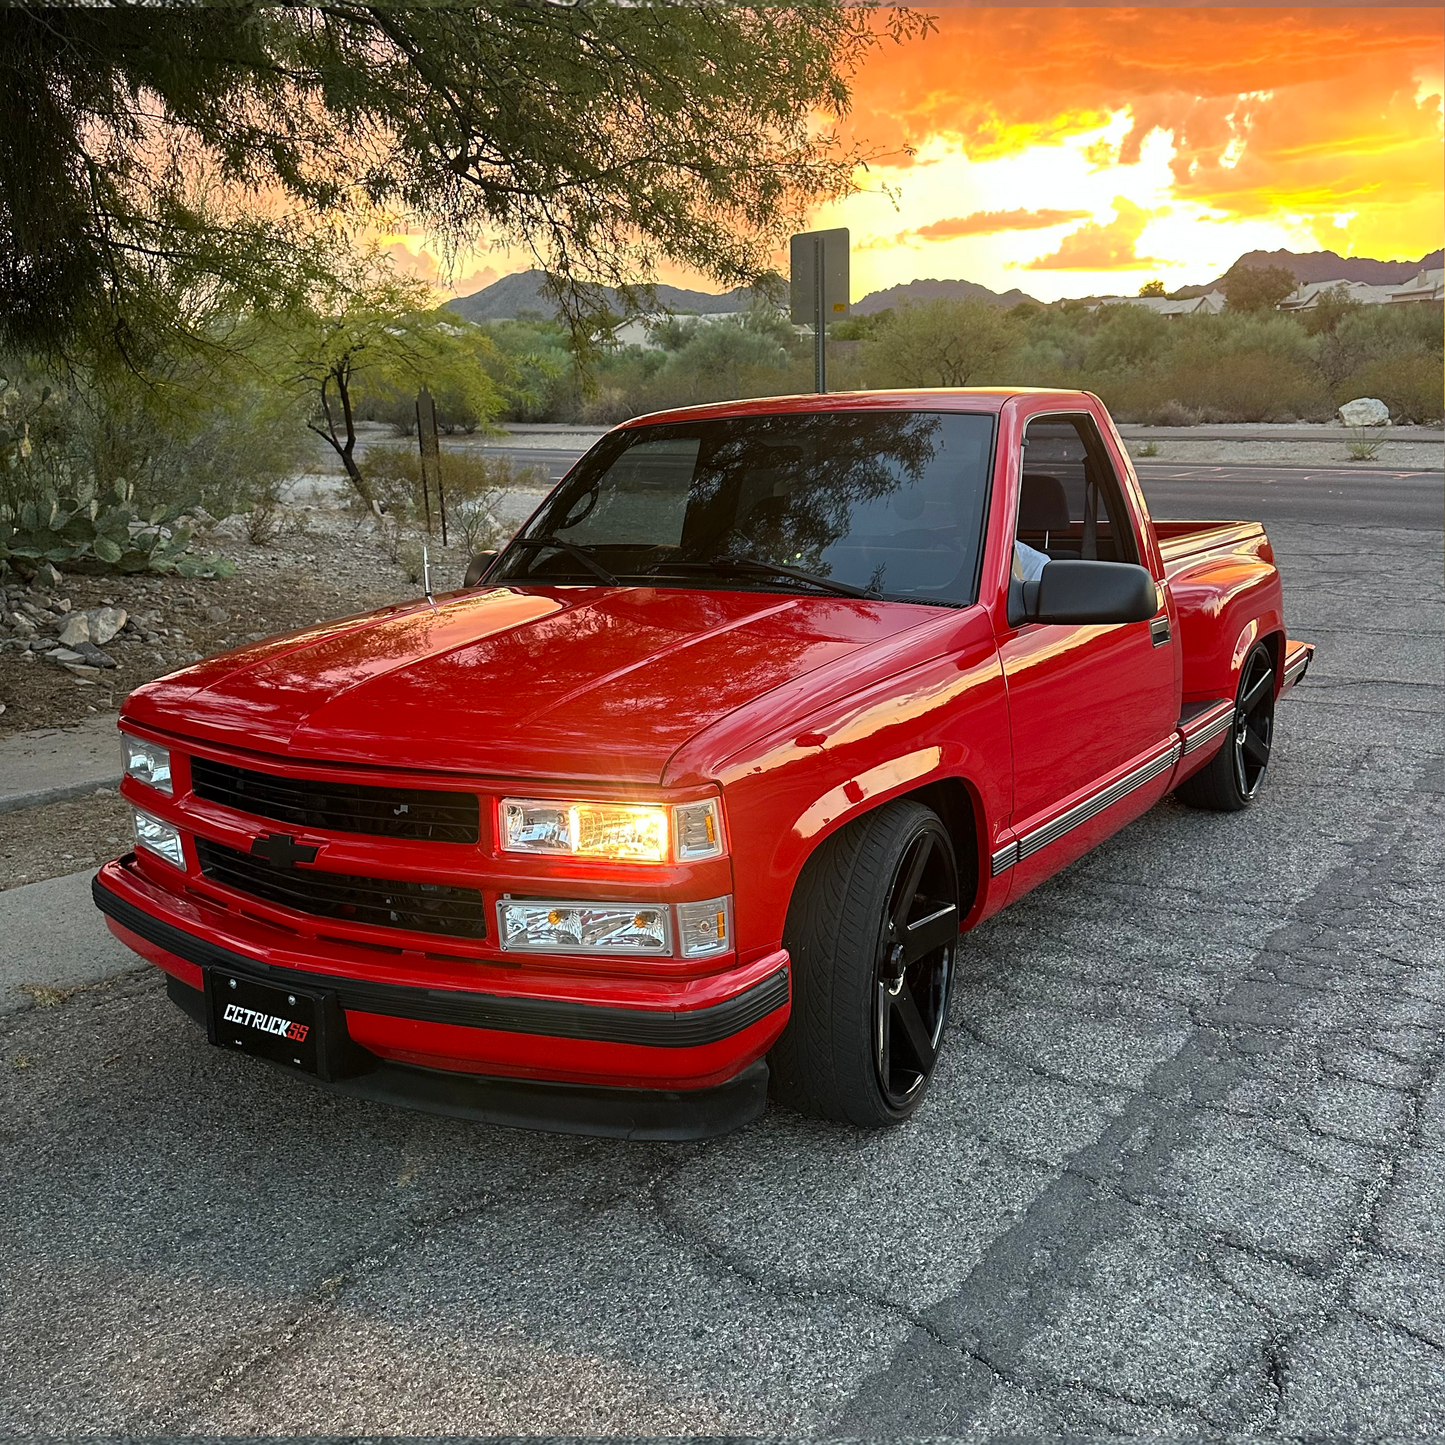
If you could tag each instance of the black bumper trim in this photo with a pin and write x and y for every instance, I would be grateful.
(670, 1115)
(597, 1023)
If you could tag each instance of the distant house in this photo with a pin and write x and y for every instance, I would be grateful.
(638, 331)
(1426, 286)
(1207, 305)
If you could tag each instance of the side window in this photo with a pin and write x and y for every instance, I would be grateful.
(1070, 505)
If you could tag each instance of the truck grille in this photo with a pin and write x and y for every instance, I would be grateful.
(425, 814)
(384, 902)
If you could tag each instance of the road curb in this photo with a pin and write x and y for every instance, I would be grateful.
(39, 797)
(56, 940)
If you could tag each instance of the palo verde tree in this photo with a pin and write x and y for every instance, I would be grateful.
(605, 139)
(371, 330)
(1256, 288)
(939, 343)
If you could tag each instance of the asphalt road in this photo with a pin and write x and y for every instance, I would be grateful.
(1182, 1171)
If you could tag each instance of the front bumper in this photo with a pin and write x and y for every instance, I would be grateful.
(671, 1115)
(505, 1057)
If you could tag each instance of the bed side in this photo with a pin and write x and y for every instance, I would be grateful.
(1227, 595)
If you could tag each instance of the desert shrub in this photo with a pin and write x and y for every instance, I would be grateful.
(262, 517)
(1412, 386)
(1364, 444)
(473, 485)
(213, 445)
(473, 522)
(1126, 338)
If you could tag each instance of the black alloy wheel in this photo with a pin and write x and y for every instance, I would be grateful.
(1254, 723)
(914, 968)
(872, 933)
(1232, 779)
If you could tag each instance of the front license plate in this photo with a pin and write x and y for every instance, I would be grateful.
(259, 1018)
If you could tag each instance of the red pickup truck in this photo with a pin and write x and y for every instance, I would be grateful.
(688, 795)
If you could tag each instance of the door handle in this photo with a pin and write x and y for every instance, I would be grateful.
(1159, 631)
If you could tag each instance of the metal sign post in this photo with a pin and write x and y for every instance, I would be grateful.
(820, 288)
(431, 459)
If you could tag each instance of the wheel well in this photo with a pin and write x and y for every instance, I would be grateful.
(1274, 641)
(954, 803)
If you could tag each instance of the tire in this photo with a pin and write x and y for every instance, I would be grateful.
(873, 934)
(1234, 776)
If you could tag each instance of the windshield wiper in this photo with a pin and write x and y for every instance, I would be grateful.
(752, 567)
(579, 554)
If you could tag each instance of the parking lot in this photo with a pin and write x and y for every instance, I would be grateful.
(1182, 1169)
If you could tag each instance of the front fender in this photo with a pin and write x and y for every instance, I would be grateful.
(945, 720)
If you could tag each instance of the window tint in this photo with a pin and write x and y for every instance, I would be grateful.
(1070, 506)
(889, 501)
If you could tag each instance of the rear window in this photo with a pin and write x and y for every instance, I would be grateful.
(888, 501)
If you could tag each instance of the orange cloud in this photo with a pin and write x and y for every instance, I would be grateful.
(425, 267)
(988, 223)
(1291, 111)
(1101, 247)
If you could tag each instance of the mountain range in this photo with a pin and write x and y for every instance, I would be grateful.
(1310, 266)
(521, 292)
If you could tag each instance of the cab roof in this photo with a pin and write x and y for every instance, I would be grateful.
(976, 398)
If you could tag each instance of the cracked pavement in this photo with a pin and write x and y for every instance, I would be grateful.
(1182, 1170)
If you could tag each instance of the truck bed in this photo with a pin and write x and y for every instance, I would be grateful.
(1181, 543)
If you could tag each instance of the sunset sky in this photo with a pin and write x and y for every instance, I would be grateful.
(1078, 150)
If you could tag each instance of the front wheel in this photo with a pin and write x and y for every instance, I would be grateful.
(1233, 777)
(873, 933)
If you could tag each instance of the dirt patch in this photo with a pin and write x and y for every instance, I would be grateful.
(61, 838)
(324, 564)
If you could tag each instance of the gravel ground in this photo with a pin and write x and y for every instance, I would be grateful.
(61, 838)
(322, 564)
(1182, 1172)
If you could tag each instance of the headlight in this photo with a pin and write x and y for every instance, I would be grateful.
(626, 832)
(546, 926)
(148, 763)
(161, 838)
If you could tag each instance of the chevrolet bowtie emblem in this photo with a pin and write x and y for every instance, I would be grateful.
(281, 849)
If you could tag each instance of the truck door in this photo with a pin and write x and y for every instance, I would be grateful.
(1092, 708)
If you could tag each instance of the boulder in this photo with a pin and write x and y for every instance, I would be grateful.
(64, 656)
(47, 579)
(76, 629)
(1365, 411)
(105, 622)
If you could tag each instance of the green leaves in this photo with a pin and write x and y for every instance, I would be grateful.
(604, 139)
(106, 532)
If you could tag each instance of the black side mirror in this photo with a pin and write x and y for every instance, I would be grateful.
(1084, 592)
(478, 567)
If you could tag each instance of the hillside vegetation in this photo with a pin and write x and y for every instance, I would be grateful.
(1232, 367)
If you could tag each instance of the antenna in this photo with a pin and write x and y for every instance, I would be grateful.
(426, 577)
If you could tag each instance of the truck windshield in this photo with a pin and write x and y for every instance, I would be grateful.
(885, 504)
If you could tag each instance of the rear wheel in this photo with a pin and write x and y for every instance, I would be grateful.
(873, 934)
(1233, 777)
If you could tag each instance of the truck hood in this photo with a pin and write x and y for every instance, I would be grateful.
(592, 683)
